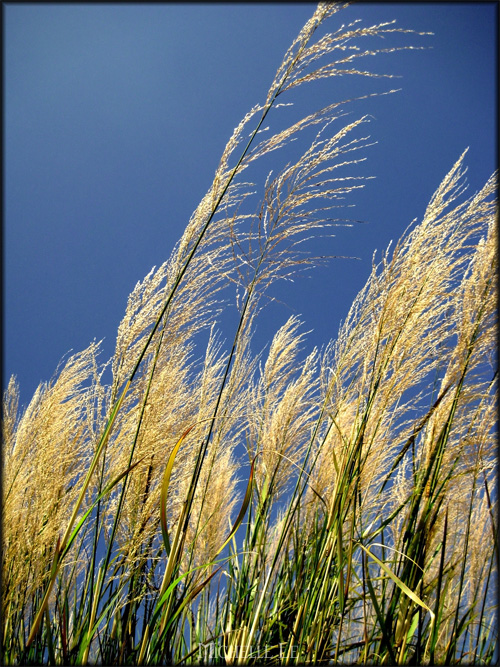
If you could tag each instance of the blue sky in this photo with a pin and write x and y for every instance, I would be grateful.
(115, 119)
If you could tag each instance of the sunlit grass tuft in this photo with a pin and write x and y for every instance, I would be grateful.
(213, 504)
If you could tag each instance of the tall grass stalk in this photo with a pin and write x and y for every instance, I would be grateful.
(368, 530)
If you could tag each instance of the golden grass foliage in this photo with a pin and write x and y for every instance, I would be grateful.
(370, 528)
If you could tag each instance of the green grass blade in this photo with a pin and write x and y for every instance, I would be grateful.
(164, 488)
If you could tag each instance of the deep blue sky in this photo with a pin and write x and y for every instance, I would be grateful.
(115, 119)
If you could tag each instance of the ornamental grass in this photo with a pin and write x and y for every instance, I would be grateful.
(213, 504)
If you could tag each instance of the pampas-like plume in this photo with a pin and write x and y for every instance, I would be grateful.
(46, 451)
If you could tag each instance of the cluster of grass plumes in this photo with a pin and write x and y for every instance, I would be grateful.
(235, 507)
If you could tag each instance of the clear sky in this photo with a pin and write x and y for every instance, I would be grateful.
(115, 119)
